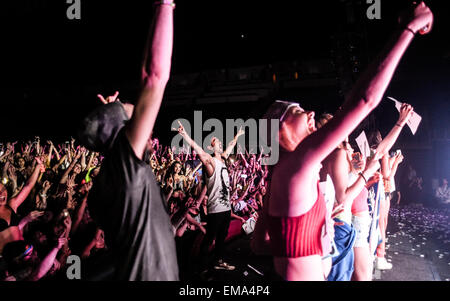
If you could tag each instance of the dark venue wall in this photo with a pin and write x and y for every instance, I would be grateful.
(231, 58)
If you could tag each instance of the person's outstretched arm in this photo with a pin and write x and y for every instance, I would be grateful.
(369, 89)
(233, 143)
(16, 201)
(205, 158)
(47, 263)
(344, 193)
(393, 170)
(155, 75)
(405, 114)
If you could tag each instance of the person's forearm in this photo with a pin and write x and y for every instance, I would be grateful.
(352, 192)
(38, 148)
(385, 146)
(198, 149)
(91, 159)
(231, 146)
(245, 161)
(2, 157)
(83, 161)
(244, 195)
(23, 194)
(79, 214)
(169, 195)
(193, 221)
(197, 168)
(13, 183)
(394, 169)
(202, 194)
(46, 264)
(154, 77)
(385, 168)
(58, 164)
(58, 157)
(5, 170)
(234, 216)
(375, 80)
(87, 250)
(67, 172)
(363, 98)
(23, 222)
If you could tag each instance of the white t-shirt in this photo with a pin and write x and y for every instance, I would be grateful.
(218, 189)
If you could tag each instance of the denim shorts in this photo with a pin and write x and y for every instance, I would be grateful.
(362, 227)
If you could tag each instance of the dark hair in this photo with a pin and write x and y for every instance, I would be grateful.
(374, 138)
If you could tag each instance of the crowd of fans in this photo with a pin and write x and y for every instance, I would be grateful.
(313, 233)
(44, 216)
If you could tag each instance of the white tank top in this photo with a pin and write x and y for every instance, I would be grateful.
(218, 188)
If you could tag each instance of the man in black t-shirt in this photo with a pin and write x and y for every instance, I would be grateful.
(125, 199)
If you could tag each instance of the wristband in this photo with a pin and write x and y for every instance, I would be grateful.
(410, 30)
(364, 178)
(400, 126)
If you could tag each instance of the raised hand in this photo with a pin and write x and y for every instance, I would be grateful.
(40, 164)
(358, 163)
(406, 111)
(372, 166)
(374, 179)
(61, 242)
(109, 99)
(46, 186)
(181, 130)
(78, 154)
(83, 150)
(68, 223)
(418, 19)
(71, 181)
(34, 215)
(399, 158)
(12, 173)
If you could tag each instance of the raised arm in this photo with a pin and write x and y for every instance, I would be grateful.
(83, 159)
(69, 169)
(155, 75)
(16, 201)
(233, 143)
(393, 168)
(369, 89)
(206, 158)
(339, 174)
(385, 146)
(79, 214)
(47, 263)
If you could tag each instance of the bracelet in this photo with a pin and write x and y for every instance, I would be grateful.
(400, 126)
(166, 2)
(410, 30)
(364, 178)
